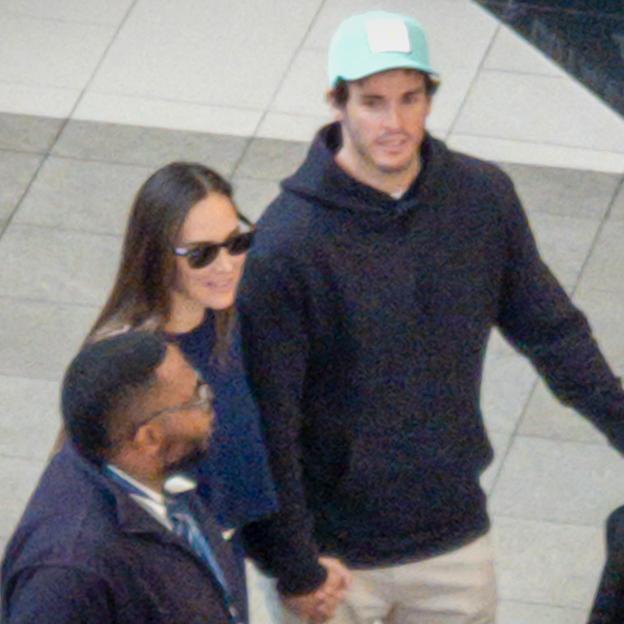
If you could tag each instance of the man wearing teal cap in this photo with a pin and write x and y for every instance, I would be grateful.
(368, 298)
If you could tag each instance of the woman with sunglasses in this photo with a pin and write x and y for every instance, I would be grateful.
(182, 259)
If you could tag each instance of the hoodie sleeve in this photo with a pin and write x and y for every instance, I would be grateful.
(537, 316)
(272, 316)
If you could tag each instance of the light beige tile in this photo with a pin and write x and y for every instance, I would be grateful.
(554, 481)
(303, 90)
(449, 98)
(539, 109)
(27, 133)
(87, 11)
(264, 605)
(617, 209)
(508, 380)
(45, 53)
(564, 244)
(253, 196)
(82, 195)
(220, 53)
(604, 268)
(563, 192)
(57, 265)
(604, 312)
(546, 417)
(21, 99)
(19, 477)
(550, 564)
(29, 417)
(271, 159)
(537, 152)
(500, 443)
(151, 147)
(291, 127)
(510, 612)
(38, 339)
(512, 52)
(145, 111)
(16, 172)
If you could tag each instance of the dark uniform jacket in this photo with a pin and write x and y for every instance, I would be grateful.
(85, 552)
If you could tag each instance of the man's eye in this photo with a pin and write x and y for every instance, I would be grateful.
(413, 98)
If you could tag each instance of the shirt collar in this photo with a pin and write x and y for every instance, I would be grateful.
(150, 493)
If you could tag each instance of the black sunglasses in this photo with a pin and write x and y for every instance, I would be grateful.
(202, 254)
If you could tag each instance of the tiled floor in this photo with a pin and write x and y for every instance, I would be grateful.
(87, 118)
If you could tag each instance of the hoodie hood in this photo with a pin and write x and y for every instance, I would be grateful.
(322, 181)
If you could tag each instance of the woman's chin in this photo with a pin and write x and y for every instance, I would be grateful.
(220, 301)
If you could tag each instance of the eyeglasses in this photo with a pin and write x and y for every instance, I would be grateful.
(203, 398)
(200, 255)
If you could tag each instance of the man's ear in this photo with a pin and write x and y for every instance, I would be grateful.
(149, 438)
(337, 111)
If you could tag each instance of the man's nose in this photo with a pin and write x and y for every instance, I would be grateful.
(392, 119)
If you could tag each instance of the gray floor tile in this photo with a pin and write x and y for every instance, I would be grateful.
(604, 311)
(559, 481)
(16, 171)
(510, 612)
(253, 196)
(508, 380)
(564, 243)
(38, 339)
(617, 209)
(500, 443)
(19, 477)
(566, 192)
(29, 417)
(148, 146)
(551, 564)
(82, 195)
(28, 133)
(57, 265)
(263, 600)
(271, 159)
(546, 417)
(604, 268)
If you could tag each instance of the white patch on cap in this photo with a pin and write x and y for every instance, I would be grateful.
(388, 35)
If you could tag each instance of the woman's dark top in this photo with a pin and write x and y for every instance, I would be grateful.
(235, 476)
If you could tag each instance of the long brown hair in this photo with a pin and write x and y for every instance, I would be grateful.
(140, 297)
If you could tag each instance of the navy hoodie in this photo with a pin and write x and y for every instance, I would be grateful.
(365, 321)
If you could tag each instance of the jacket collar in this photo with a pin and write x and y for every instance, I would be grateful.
(131, 518)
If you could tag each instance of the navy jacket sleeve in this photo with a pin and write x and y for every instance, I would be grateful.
(57, 595)
(538, 317)
(272, 316)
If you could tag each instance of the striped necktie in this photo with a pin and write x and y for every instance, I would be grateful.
(184, 526)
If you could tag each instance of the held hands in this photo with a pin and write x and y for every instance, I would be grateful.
(319, 606)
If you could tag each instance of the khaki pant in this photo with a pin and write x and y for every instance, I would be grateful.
(455, 588)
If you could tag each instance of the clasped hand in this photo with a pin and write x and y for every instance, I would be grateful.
(320, 605)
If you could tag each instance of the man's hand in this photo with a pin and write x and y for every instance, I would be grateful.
(320, 605)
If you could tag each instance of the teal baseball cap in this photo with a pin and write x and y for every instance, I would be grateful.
(376, 41)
